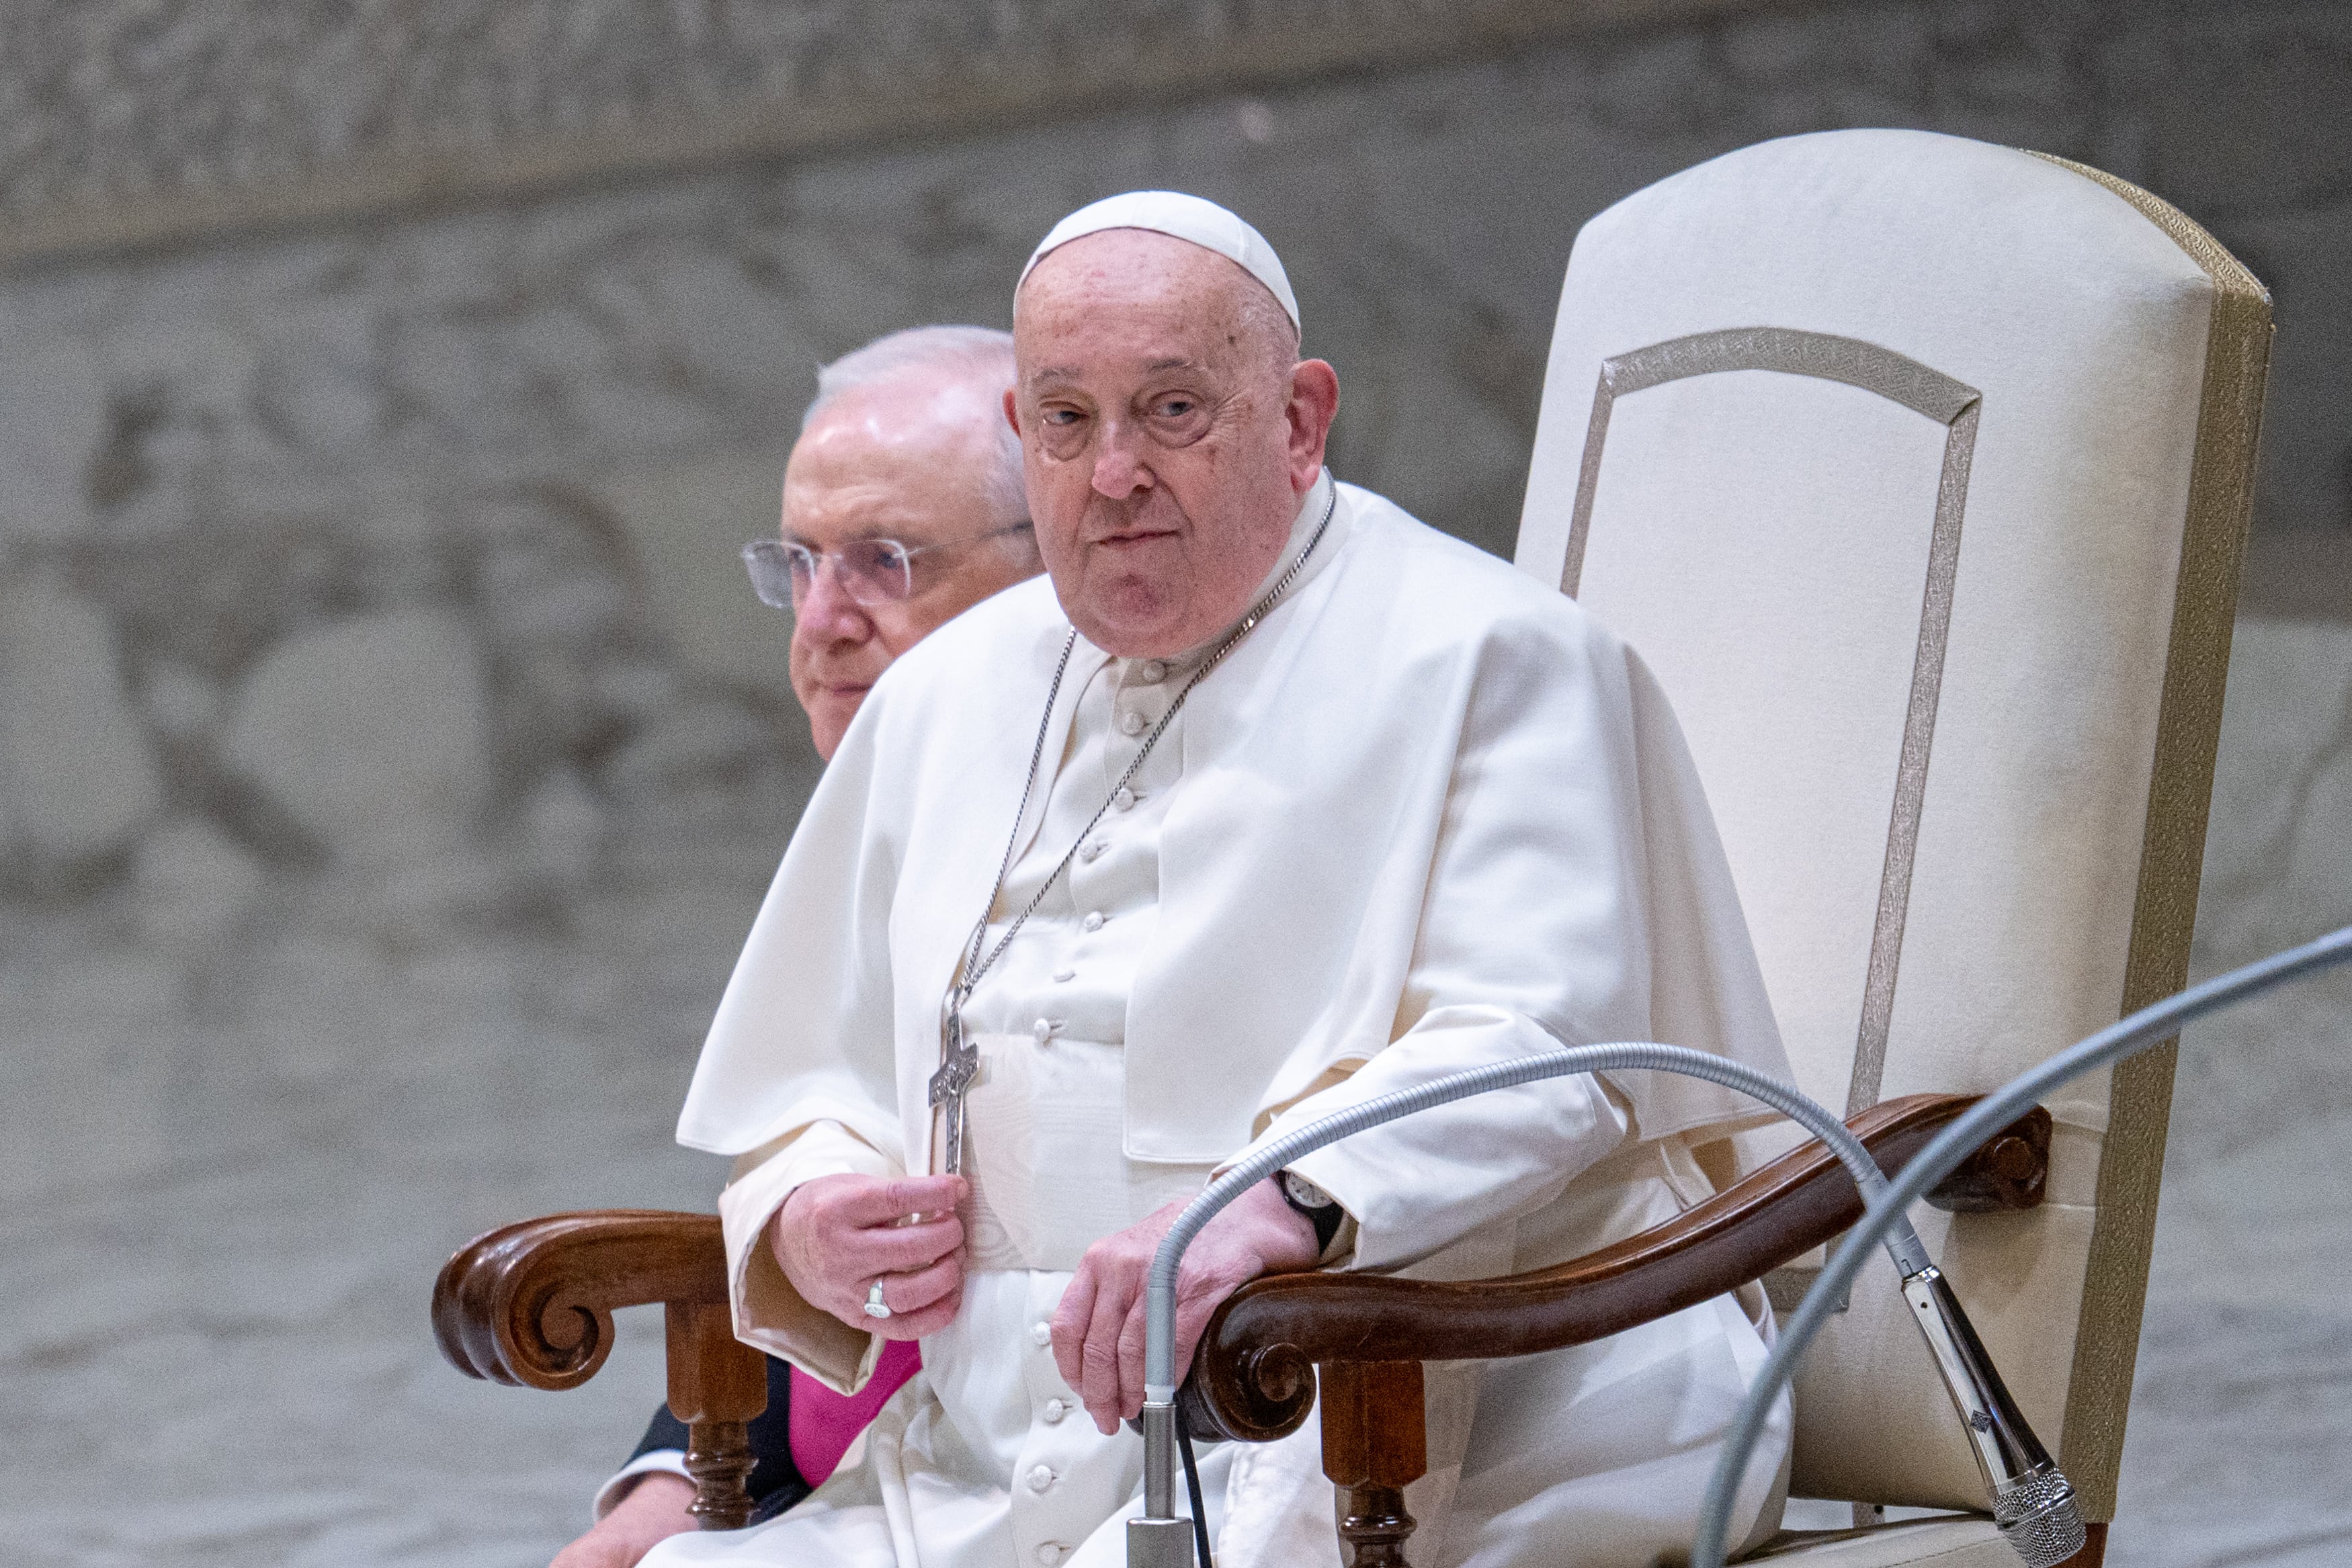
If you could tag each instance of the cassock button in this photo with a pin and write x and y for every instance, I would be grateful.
(1050, 1552)
(1040, 1479)
(1041, 1334)
(1124, 801)
(1043, 1028)
(1154, 670)
(1130, 723)
(1093, 850)
(1054, 1411)
(1093, 921)
(1064, 974)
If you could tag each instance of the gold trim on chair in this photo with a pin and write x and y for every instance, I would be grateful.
(1951, 403)
(2164, 910)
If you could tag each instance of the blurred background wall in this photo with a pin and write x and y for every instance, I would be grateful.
(392, 752)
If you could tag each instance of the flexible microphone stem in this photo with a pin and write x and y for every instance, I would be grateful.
(1160, 1539)
(2026, 1516)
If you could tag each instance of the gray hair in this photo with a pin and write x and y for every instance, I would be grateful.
(978, 354)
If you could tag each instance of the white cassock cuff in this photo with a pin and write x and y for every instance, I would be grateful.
(659, 1461)
(768, 1314)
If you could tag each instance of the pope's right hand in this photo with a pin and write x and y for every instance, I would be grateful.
(837, 1235)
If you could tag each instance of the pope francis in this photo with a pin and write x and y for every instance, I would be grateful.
(1268, 798)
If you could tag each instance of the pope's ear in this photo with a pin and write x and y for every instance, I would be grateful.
(1011, 411)
(1314, 403)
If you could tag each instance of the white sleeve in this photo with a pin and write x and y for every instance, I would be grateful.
(1530, 932)
(658, 1461)
(771, 1315)
(1415, 1184)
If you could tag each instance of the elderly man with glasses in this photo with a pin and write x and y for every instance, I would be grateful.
(903, 508)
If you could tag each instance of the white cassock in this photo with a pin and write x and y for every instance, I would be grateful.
(1427, 815)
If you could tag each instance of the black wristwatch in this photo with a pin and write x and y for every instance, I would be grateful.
(1321, 1209)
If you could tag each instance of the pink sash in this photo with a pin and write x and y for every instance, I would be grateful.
(824, 1424)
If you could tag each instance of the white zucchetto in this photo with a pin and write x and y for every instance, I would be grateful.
(1188, 218)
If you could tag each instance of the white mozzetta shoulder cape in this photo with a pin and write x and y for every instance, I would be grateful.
(1430, 815)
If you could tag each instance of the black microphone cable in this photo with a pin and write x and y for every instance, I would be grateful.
(1193, 1485)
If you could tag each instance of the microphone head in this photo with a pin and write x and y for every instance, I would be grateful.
(2037, 1516)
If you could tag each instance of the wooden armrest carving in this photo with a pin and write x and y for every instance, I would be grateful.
(1252, 1376)
(531, 1304)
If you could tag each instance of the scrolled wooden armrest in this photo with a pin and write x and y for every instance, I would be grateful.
(531, 1304)
(1252, 1374)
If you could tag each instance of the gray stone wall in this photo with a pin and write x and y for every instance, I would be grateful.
(153, 121)
(419, 528)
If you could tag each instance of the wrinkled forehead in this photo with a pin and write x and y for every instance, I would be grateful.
(1134, 295)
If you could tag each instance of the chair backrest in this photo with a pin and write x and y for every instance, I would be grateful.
(1918, 471)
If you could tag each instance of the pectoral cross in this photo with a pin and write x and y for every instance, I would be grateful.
(959, 1067)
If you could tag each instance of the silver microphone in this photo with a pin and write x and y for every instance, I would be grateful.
(2032, 1503)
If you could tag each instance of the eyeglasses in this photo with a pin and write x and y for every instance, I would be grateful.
(871, 571)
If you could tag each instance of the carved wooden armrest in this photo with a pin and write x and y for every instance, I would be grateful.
(531, 1304)
(1249, 1376)
(1254, 1377)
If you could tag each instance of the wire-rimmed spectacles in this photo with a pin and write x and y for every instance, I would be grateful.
(871, 571)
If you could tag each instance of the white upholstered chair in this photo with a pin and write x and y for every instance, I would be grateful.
(1917, 470)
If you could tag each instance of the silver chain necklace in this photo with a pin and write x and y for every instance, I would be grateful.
(959, 1058)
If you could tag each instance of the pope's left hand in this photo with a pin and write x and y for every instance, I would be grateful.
(1098, 1328)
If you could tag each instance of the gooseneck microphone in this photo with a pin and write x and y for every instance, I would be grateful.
(2018, 1472)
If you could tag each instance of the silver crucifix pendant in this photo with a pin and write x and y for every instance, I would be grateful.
(959, 1066)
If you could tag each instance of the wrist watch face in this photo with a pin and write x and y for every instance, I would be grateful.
(1304, 1193)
